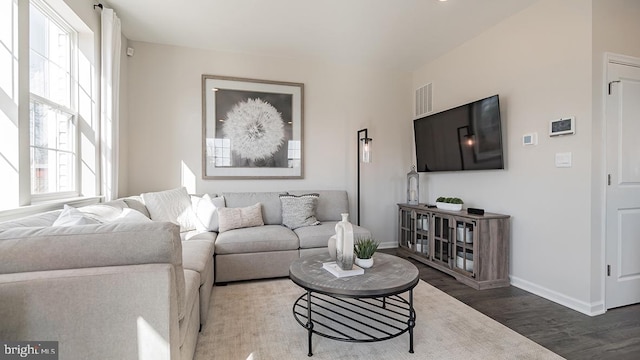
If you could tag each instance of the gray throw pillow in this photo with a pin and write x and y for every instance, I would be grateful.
(299, 211)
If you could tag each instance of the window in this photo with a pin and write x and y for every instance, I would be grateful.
(222, 153)
(53, 118)
(58, 84)
(294, 153)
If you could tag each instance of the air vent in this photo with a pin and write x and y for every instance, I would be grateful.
(424, 100)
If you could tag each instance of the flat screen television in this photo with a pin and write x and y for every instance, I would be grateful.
(468, 137)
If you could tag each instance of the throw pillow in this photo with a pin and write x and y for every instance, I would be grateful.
(171, 205)
(206, 211)
(237, 218)
(131, 216)
(299, 211)
(71, 216)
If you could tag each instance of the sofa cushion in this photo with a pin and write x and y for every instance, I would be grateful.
(104, 212)
(256, 239)
(71, 216)
(318, 236)
(237, 218)
(131, 216)
(198, 235)
(206, 211)
(36, 220)
(171, 205)
(136, 203)
(331, 203)
(271, 209)
(196, 254)
(299, 211)
(192, 300)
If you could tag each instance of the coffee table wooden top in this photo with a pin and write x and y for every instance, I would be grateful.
(389, 275)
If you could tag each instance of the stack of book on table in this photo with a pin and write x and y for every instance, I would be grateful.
(333, 268)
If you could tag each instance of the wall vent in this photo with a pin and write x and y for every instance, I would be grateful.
(424, 100)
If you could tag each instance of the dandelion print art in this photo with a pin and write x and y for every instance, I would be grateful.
(251, 128)
(255, 129)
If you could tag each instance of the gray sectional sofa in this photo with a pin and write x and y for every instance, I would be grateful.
(138, 288)
(109, 290)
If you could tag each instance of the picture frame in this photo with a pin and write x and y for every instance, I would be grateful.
(251, 129)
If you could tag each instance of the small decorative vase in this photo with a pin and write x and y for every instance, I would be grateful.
(344, 243)
(332, 247)
(364, 263)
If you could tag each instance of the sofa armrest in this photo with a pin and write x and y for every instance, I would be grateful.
(55, 248)
(33, 249)
(123, 312)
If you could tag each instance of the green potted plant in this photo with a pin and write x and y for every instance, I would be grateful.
(449, 203)
(364, 248)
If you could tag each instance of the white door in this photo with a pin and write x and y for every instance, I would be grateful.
(623, 189)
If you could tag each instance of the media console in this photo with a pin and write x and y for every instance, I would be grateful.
(472, 248)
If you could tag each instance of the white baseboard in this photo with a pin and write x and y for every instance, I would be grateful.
(591, 309)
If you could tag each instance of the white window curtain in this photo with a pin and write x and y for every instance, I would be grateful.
(110, 74)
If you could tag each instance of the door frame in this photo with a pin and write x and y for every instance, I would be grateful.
(609, 58)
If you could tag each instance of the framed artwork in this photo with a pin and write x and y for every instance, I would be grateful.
(251, 128)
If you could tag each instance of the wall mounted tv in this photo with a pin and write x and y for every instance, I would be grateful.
(468, 137)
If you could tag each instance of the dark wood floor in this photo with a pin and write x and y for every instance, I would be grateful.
(614, 335)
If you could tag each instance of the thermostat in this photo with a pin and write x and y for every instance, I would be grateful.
(530, 139)
(566, 126)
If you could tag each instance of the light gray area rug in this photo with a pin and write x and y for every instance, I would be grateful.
(254, 321)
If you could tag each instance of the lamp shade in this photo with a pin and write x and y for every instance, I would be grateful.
(366, 149)
(413, 194)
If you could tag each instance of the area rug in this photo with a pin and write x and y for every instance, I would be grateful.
(254, 321)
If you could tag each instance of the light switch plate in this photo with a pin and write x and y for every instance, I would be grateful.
(563, 160)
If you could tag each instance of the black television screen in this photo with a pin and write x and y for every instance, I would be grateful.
(468, 137)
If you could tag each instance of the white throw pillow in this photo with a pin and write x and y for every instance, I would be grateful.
(171, 205)
(131, 216)
(71, 216)
(206, 211)
(237, 218)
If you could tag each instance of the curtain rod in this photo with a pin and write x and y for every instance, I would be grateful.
(98, 5)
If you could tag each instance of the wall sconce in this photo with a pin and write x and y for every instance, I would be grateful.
(365, 149)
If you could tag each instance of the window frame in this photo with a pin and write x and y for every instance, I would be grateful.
(74, 85)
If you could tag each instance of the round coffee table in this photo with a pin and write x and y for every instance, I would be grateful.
(361, 308)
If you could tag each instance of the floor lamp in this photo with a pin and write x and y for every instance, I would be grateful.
(365, 140)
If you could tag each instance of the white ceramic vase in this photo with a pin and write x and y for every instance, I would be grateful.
(344, 243)
(332, 247)
(364, 263)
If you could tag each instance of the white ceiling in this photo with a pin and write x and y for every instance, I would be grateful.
(400, 34)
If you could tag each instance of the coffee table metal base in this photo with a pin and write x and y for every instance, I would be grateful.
(355, 319)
